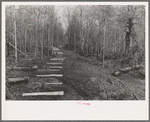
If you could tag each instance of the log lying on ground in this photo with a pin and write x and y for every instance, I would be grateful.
(24, 68)
(55, 59)
(55, 63)
(19, 79)
(50, 75)
(126, 70)
(44, 93)
(54, 83)
(55, 67)
(48, 70)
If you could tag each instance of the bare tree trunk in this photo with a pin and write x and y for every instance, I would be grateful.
(15, 44)
(52, 38)
(31, 41)
(36, 40)
(25, 39)
(115, 40)
(15, 39)
(42, 42)
(48, 39)
(81, 29)
(74, 42)
(104, 44)
(128, 32)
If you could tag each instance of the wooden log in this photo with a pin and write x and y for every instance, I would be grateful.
(54, 83)
(116, 73)
(55, 67)
(138, 67)
(44, 93)
(24, 68)
(55, 59)
(48, 70)
(50, 75)
(126, 70)
(35, 67)
(55, 63)
(19, 79)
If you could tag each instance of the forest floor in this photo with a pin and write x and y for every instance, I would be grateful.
(82, 79)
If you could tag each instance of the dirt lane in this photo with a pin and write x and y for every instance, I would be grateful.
(92, 82)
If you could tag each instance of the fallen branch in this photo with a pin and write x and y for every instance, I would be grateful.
(43, 93)
(17, 49)
(11, 33)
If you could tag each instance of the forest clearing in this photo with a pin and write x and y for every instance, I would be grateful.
(93, 52)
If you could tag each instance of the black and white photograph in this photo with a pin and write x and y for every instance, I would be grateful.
(74, 52)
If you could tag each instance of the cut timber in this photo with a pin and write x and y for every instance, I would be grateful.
(50, 75)
(48, 70)
(24, 68)
(55, 59)
(55, 67)
(126, 70)
(59, 83)
(55, 63)
(19, 79)
(43, 93)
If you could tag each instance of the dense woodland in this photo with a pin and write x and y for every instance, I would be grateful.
(34, 28)
(108, 32)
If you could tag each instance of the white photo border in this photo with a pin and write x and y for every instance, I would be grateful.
(68, 110)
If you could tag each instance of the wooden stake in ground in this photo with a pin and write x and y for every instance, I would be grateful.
(44, 93)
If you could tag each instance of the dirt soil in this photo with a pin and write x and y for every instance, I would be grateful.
(82, 80)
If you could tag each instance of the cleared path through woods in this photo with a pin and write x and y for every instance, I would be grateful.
(96, 83)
